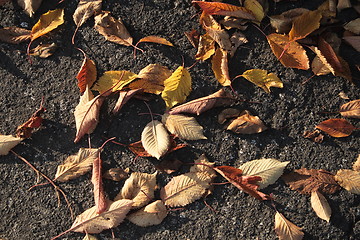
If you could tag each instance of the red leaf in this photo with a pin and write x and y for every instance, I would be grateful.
(99, 194)
(336, 127)
(87, 74)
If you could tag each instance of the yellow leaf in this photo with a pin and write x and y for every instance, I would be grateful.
(152, 214)
(349, 179)
(155, 39)
(304, 25)
(206, 47)
(116, 79)
(7, 142)
(177, 87)
(155, 139)
(320, 205)
(220, 67)
(255, 7)
(48, 22)
(285, 229)
(263, 79)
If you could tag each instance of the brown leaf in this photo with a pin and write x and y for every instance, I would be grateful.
(237, 39)
(25, 130)
(193, 37)
(29, 6)
(96, 179)
(336, 127)
(14, 35)
(44, 50)
(200, 105)
(113, 30)
(220, 67)
(85, 9)
(125, 96)
(247, 124)
(353, 26)
(155, 39)
(283, 22)
(169, 165)
(304, 25)
(209, 21)
(320, 205)
(7, 142)
(227, 114)
(87, 74)
(152, 214)
(314, 136)
(206, 47)
(290, 54)
(232, 22)
(356, 165)
(342, 4)
(116, 174)
(351, 109)
(285, 229)
(247, 184)
(354, 41)
(87, 114)
(349, 179)
(221, 37)
(2, 2)
(306, 181)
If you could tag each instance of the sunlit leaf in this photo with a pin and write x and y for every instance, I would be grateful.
(255, 7)
(7, 142)
(218, 8)
(116, 80)
(85, 9)
(152, 214)
(353, 26)
(29, 6)
(48, 22)
(155, 39)
(285, 229)
(246, 124)
(184, 127)
(220, 67)
(336, 127)
(349, 179)
(263, 79)
(320, 206)
(87, 74)
(155, 139)
(351, 109)
(206, 47)
(14, 35)
(304, 25)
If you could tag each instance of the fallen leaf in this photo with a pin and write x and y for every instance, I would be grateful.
(336, 127)
(7, 142)
(140, 188)
(151, 78)
(177, 87)
(193, 36)
(85, 9)
(319, 65)
(125, 96)
(306, 181)
(91, 222)
(218, 8)
(237, 39)
(87, 74)
(206, 47)
(48, 22)
(304, 25)
(200, 105)
(314, 136)
(44, 50)
(285, 229)
(353, 26)
(169, 165)
(220, 67)
(354, 41)
(209, 21)
(14, 35)
(29, 6)
(289, 53)
(343, 95)
(112, 29)
(232, 22)
(89, 237)
(99, 193)
(356, 165)
(248, 184)
(262, 79)
(155, 39)
(116, 174)
(116, 80)
(203, 165)
(77, 164)
(155, 139)
(268, 169)
(342, 4)
(256, 9)
(183, 127)
(152, 214)
(87, 114)
(283, 22)
(320, 205)
(247, 124)
(349, 179)
(221, 37)
(351, 109)
(228, 114)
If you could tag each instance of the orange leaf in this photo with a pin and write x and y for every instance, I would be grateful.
(87, 74)
(155, 39)
(218, 8)
(206, 47)
(48, 22)
(304, 25)
(290, 54)
(220, 67)
(351, 109)
(96, 179)
(336, 127)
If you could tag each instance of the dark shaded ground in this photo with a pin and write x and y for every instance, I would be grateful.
(288, 112)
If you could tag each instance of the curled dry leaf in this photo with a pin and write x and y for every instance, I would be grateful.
(152, 214)
(206, 47)
(247, 124)
(77, 164)
(151, 78)
(353, 26)
(227, 114)
(200, 105)
(283, 22)
(125, 96)
(320, 205)
(7, 142)
(140, 188)
(319, 65)
(29, 6)
(220, 67)
(87, 114)
(237, 39)
(232, 22)
(25, 130)
(91, 222)
(155, 139)
(155, 39)
(349, 179)
(116, 80)
(116, 174)
(87, 74)
(177, 87)
(44, 50)
(85, 9)
(306, 181)
(268, 169)
(285, 229)
(209, 21)
(218, 8)
(354, 41)
(99, 193)
(14, 35)
(336, 127)
(248, 184)
(314, 136)
(351, 109)
(113, 30)
(356, 165)
(289, 53)
(193, 37)
(221, 37)
(184, 127)
(305, 24)
(47, 22)
(262, 79)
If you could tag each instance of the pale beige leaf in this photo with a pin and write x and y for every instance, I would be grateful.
(7, 142)
(77, 164)
(349, 179)
(85, 9)
(29, 6)
(184, 127)
(320, 205)
(320, 66)
(356, 165)
(268, 169)
(155, 139)
(89, 237)
(152, 214)
(140, 188)
(247, 124)
(285, 229)
(220, 67)
(91, 222)
(351, 109)
(353, 26)
(14, 35)
(204, 166)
